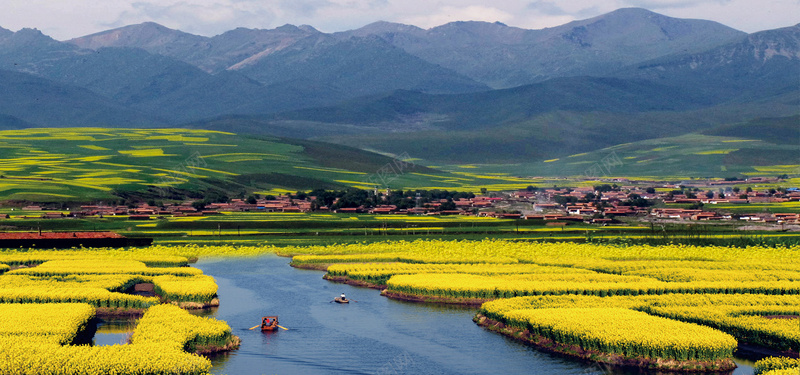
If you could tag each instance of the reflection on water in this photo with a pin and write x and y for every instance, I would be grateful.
(375, 335)
(113, 331)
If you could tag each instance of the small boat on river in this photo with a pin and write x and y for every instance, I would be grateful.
(341, 299)
(269, 323)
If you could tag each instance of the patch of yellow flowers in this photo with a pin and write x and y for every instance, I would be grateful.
(53, 323)
(777, 366)
(506, 286)
(102, 280)
(157, 347)
(626, 332)
(736, 314)
(100, 267)
(379, 273)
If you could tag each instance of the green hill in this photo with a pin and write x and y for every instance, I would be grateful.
(680, 157)
(100, 164)
(778, 130)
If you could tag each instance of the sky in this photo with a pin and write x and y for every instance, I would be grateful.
(66, 19)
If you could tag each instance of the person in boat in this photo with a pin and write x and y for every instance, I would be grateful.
(265, 322)
(343, 297)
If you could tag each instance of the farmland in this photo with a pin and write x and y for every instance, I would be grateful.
(99, 164)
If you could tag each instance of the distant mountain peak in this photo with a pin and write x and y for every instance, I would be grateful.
(305, 29)
(27, 37)
(146, 34)
(150, 24)
(384, 27)
(495, 31)
(308, 28)
(5, 33)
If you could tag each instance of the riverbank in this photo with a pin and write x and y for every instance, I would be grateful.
(232, 344)
(471, 302)
(349, 281)
(311, 266)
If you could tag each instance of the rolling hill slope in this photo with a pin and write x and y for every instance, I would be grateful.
(26, 100)
(102, 164)
(761, 147)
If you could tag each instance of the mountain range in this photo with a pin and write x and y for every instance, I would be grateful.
(471, 92)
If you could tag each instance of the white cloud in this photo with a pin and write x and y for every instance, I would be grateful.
(448, 13)
(68, 19)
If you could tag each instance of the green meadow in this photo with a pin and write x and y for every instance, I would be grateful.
(96, 164)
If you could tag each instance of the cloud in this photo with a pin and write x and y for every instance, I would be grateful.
(669, 4)
(447, 14)
(547, 7)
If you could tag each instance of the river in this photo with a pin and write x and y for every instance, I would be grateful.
(374, 335)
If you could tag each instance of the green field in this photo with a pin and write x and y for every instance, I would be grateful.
(94, 164)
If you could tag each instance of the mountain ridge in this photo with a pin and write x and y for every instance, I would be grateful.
(485, 52)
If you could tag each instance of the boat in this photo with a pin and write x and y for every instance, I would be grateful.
(341, 300)
(269, 323)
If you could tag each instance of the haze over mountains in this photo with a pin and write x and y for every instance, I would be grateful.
(464, 91)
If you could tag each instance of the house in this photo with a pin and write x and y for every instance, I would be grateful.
(705, 216)
(581, 211)
(383, 210)
(534, 217)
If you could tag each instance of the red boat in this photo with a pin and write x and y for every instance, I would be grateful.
(269, 323)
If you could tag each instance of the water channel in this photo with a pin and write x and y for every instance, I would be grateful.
(375, 335)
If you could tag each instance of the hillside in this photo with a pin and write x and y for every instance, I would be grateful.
(778, 130)
(525, 124)
(26, 99)
(760, 65)
(356, 66)
(102, 164)
(762, 147)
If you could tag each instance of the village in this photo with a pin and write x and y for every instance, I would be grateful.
(601, 204)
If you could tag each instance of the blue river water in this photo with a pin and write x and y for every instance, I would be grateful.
(374, 335)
